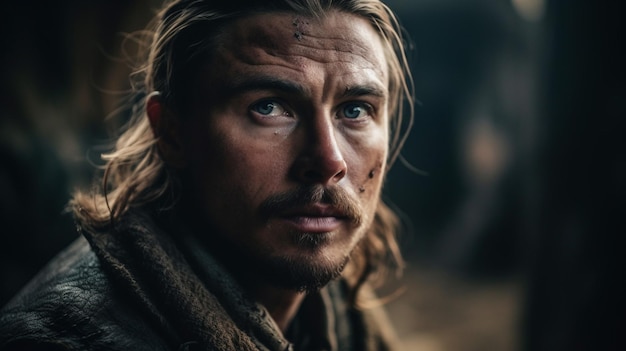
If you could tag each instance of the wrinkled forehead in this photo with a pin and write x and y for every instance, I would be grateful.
(333, 38)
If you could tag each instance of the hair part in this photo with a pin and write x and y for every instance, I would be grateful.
(135, 174)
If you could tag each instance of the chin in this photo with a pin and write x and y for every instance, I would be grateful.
(311, 241)
(307, 262)
(311, 261)
(303, 273)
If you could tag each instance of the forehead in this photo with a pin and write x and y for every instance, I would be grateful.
(342, 44)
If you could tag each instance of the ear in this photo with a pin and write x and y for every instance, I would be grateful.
(167, 130)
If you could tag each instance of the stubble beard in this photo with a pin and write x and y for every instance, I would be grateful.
(302, 273)
(307, 268)
(311, 269)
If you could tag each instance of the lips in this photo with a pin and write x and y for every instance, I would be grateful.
(313, 209)
(314, 218)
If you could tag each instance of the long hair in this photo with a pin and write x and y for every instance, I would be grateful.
(181, 38)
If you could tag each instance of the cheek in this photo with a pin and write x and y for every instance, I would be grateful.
(211, 156)
(235, 168)
(221, 186)
(368, 165)
(370, 181)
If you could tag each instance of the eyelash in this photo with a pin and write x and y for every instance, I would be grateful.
(267, 102)
(367, 108)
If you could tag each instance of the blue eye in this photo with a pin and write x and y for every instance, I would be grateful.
(352, 111)
(355, 110)
(269, 108)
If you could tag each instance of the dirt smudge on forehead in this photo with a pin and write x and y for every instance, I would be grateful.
(300, 27)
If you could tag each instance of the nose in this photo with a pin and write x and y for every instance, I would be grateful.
(320, 160)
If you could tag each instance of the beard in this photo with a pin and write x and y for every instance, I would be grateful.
(302, 273)
(298, 273)
(307, 270)
(293, 272)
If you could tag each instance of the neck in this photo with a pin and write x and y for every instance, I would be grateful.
(282, 304)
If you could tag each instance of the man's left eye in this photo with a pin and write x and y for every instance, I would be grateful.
(355, 110)
(269, 108)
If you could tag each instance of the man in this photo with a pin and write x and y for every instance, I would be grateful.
(241, 208)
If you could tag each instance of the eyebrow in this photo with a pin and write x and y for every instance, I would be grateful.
(239, 86)
(259, 83)
(362, 90)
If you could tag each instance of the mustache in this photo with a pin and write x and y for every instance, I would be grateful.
(334, 196)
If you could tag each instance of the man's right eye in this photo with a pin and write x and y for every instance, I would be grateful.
(269, 108)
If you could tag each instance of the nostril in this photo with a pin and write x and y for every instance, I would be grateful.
(320, 175)
(340, 174)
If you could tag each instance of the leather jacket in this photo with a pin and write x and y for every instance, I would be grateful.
(134, 288)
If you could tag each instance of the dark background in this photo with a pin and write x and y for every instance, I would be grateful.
(518, 201)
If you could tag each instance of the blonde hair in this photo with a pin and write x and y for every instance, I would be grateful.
(135, 175)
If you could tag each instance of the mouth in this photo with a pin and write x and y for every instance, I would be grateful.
(316, 218)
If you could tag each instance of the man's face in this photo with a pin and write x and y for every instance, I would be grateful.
(288, 140)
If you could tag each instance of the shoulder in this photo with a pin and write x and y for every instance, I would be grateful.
(71, 305)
